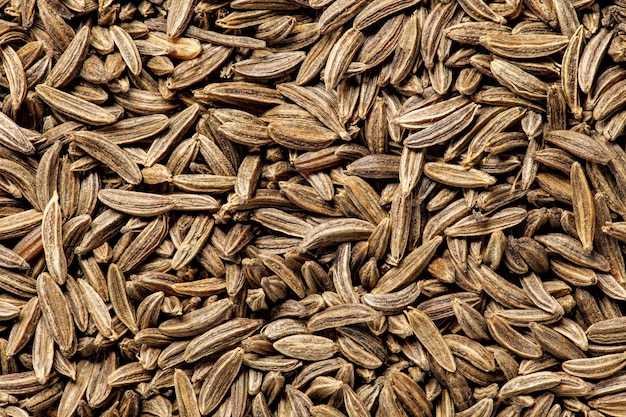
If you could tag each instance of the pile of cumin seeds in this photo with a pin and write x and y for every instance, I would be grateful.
(312, 208)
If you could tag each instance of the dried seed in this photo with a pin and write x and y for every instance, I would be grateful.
(220, 337)
(428, 334)
(57, 314)
(525, 384)
(306, 347)
(595, 368)
(341, 315)
(583, 206)
(109, 154)
(75, 107)
(51, 236)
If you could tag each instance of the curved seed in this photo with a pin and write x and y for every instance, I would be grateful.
(75, 107)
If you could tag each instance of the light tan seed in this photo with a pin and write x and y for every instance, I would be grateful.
(98, 310)
(510, 338)
(373, 13)
(393, 301)
(51, 235)
(457, 176)
(75, 107)
(364, 197)
(15, 75)
(606, 331)
(70, 62)
(24, 327)
(554, 343)
(247, 176)
(380, 45)
(342, 315)
(341, 55)
(306, 347)
(411, 266)
(109, 154)
(336, 231)
(269, 66)
(471, 31)
(475, 225)
(591, 58)
(498, 123)
(127, 48)
(595, 368)
(136, 203)
(471, 351)
(43, 352)
(567, 17)
(281, 221)
(316, 57)
(518, 80)
(433, 31)
(197, 321)
(524, 46)
(572, 250)
(12, 137)
(130, 373)
(534, 288)
(116, 283)
(417, 115)
(57, 314)
(185, 395)
(178, 126)
(427, 333)
(21, 181)
(75, 389)
(410, 395)
(583, 207)
(570, 68)
(484, 406)
(220, 337)
(471, 321)
(339, 12)
(318, 102)
(525, 384)
(144, 244)
(445, 129)
(204, 183)
(195, 238)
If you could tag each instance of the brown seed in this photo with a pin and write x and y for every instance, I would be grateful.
(116, 283)
(185, 395)
(69, 63)
(341, 315)
(198, 321)
(74, 390)
(595, 368)
(572, 250)
(412, 265)
(43, 352)
(57, 314)
(98, 310)
(411, 395)
(75, 107)
(510, 338)
(525, 384)
(141, 204)
(109, 154)
(428, 334)
(220, 337)
(306, 347)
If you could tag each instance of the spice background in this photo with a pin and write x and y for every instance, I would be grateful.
(312, 208)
